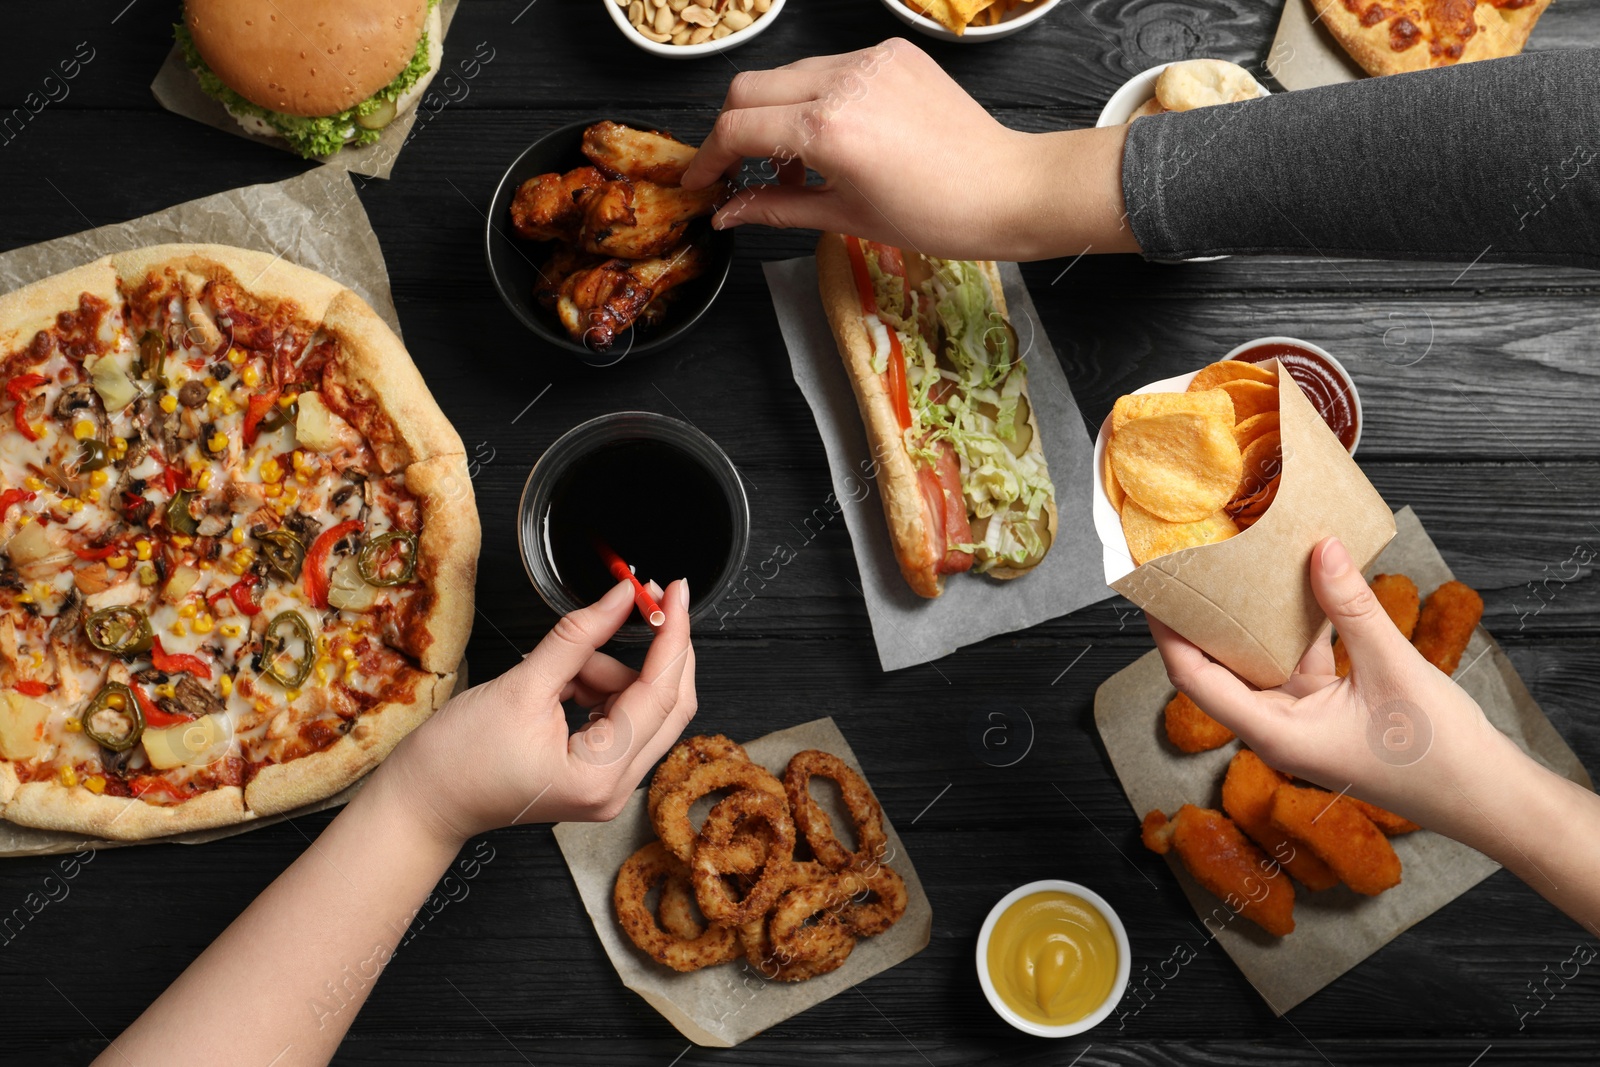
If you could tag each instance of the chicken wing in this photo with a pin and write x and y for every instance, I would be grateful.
(1446, 623)
(597, 304)
(549, 207)
(1398, 595)
(1247, 798)
(642, 220)
(1224, 861)
(1341, 835)
(641, 155)
(563, 263)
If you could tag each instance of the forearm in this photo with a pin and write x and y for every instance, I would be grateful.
(1538, 825)
(1068, 196)
(337, 912)
(1492, 161)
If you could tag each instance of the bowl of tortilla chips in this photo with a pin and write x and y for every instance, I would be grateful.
(969, 21)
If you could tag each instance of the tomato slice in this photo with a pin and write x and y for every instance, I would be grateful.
(899, 395)
(957, 528)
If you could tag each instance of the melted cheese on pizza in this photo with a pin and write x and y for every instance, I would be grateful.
(178, 465)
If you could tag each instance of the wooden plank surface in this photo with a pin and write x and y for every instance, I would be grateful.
(1480, 391)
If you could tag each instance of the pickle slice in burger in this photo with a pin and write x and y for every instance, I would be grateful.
(268, 62)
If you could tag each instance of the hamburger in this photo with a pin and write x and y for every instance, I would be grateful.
(319, 74)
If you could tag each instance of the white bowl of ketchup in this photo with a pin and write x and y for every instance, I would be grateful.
(1320, 377)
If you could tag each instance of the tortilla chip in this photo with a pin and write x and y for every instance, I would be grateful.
(1114, 491)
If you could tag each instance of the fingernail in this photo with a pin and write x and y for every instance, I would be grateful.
(683, 593)
(1335, 559)
(655, 590)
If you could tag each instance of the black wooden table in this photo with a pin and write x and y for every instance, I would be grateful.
(1480, 389)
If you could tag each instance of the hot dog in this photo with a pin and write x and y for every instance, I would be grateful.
(943, 392)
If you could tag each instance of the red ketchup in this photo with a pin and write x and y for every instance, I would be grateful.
(1323, 385)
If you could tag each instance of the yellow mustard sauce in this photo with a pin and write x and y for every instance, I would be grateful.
(1052, 958)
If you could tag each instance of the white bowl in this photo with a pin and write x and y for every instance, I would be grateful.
(1137, 91)
(1018, 20)
(1124, 959)
(1338, 368)
(619, 15)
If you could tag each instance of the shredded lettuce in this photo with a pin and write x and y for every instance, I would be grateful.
(311, 137)
(979, 376)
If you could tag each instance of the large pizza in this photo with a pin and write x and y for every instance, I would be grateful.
(237, 542)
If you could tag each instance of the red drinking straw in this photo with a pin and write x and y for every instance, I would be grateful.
(623, 573)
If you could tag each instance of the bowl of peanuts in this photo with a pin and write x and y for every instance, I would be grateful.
(687, 29)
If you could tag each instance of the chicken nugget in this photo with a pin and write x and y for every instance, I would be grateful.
(1247, 798)
(1448, 618)
(1191, 729)
(1387, 821)
(1341, 836)
(1398, 595)
(1223, 860)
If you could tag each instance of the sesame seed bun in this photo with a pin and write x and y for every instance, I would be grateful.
(306, 57)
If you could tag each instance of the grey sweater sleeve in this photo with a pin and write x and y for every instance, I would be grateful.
(1493, 161)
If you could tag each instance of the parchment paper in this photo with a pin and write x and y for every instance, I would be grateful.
(725, 1005)
(177, 90)
(314, 220)
(1304, 54)
(907, 628)
(1335, 929)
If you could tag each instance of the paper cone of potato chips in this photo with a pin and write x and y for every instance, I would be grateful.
(1247, 601)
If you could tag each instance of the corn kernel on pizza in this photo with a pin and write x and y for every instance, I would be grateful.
(237, 542)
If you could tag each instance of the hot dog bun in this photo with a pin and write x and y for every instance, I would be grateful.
(909, 530)
(911, 533)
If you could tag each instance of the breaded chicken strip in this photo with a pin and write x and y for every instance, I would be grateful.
(1387, 821)
(1448, 618)
(1247, 798)
(1191, 729)
(1223, 860)
(1398, 595)
(1341, 836)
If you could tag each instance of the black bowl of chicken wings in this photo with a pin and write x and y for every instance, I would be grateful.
(596, 249)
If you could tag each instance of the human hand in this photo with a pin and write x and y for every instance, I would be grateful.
(501, 754)
(908, 159)
(1396, 732)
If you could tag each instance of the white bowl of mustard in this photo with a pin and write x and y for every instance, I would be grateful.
(1053, 958)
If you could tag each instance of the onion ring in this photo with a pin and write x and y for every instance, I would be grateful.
(811, 919)
(639, 873)
(871, 842)
(672, 816)
(873, 917)
(772, 964)
(677, 911)
(685, 756)
(717, 854)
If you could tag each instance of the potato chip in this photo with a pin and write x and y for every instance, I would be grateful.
(1196, 83)
(1114, 491)
(1250, 398)
(1214, 402)
(1150, 107)
(1262, 462)
(1181, 466)
(1253, 505)
(1231, 370)
(1150, 537)
(1254, 427)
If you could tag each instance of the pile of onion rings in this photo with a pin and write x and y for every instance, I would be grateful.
(743, 884)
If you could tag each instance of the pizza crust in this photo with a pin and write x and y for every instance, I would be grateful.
(282, 787)
(26, 311)
(447, 560)
(258, 274)
(374, 367)
(49, 806)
